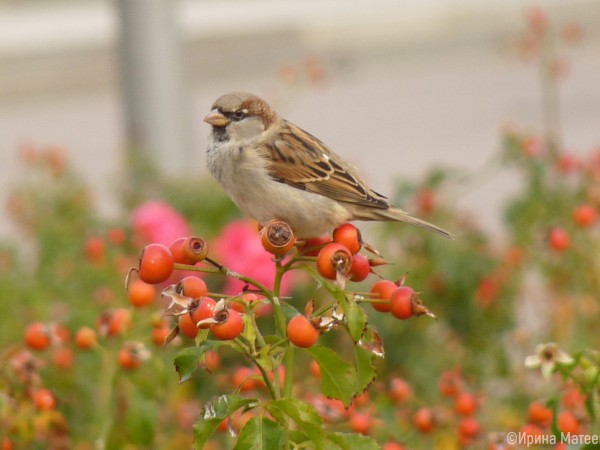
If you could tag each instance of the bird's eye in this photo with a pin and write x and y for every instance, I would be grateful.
(239, 114)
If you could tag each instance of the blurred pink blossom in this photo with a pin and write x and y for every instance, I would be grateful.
(239, 248)
(158, 222)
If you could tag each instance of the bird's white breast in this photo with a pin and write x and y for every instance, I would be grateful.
(243, 175)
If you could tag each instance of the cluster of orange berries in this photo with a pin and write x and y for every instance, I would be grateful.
(568, 419)
(465, 405)
(337, 258)
(40, 336)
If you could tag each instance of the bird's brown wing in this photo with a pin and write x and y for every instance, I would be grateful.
(300, 160)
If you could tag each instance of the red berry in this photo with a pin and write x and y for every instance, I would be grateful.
(568, 163)
(117, 236)
(425, 200)
(160, 334)
(229, 324)
(360, 267)
(450, 383)
(531, 430)
(539, 414)
(95, 249)
(187, 325)
(199, 309)
(86, 338)
(558, 239)
(567, 423)
(195, 249)
(37, 336)
(312, 246)
(43, 399)
(242, 379)
(585, 215)
(465, 404)
(193, 287)
(423, 420)
(156, 264)
(301, 332)
(63, 357)
(128, 358)
(212, 361)
(399, 390)
(348, 236)
(469, 427)
(392, 446)
(333, 259)
(532, 147)
(119, 322)
(205, 310)
(361, 422)
(315, 370)
(7, 444)
(246, 299)
(383, 290)
(277, 238)
(140, 293)
(401, 302)
(176, 249)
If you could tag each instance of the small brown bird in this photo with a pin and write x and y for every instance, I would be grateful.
(273, 169)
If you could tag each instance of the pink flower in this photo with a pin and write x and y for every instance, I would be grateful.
(158, 222)
(239, 248)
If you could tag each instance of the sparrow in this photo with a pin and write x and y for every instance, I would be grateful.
(274, 170)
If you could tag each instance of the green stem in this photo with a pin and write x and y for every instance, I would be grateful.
(106, 396)
(279, 318)
(274, 394)
(227, 272)
(289, 371)
(299, 258)
(282, 331)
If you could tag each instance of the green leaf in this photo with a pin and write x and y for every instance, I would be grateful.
(356, 319)
(338, 378)
(202, 336)
(288, 310)
(365, 369)
(186, 361)
(260, 434)
(249, 331)
(348, 441)
(304, 415)
(214, 413)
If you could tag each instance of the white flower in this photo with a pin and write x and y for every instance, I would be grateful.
(547, 357)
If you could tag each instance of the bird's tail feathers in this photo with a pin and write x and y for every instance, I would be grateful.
(399, 215)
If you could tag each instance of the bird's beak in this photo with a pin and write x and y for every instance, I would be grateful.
(216, 119)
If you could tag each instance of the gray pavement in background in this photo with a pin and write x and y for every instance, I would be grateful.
(394, 115)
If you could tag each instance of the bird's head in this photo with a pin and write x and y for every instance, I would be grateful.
(240, 116)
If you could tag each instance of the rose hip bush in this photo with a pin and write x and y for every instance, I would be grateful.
(231, 337)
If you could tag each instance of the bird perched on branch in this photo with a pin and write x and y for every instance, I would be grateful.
(273, 169)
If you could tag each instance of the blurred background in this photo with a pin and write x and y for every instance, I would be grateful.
(480, 116)
(395, 87)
